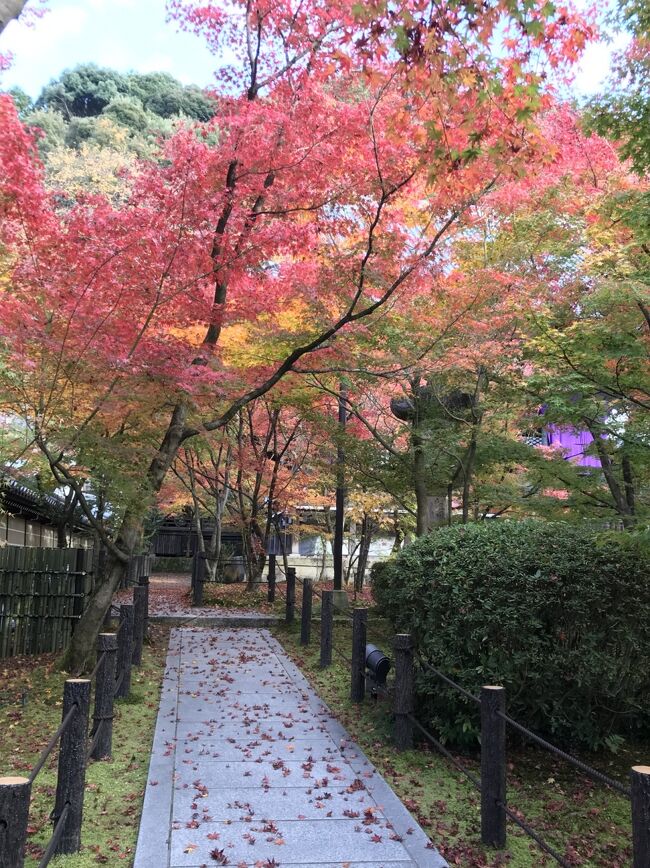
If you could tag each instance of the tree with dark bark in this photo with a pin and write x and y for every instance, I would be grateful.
(339, 131)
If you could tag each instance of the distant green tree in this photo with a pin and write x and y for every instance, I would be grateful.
(22, 100)
(84, 91)
(129, 112)
(89, 90)
(51, 126)
(161, 94)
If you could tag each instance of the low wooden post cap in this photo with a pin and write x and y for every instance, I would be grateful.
(12, 782)
(641, 770)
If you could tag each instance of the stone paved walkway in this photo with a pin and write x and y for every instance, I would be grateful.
(169, 603)
(249, 768)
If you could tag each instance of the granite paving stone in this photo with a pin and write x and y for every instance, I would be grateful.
(249, 766)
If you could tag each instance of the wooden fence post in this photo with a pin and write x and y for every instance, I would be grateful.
(493, 767)
(14, 813)
(71, 777)
(124, 651)
(358, 674)
(640, 779)
(326, 624)
(131, 572)
(144, 581)
(139, 605)
(198, 577)
(104, 694)
(291, 595)
(305, 612)
(271, 579)
(404, 690)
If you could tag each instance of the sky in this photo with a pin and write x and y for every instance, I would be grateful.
(134, 35)
(122, 34)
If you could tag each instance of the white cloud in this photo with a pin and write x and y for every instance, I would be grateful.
(39, 36)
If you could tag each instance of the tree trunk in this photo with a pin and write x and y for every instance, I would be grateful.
(431, 508)
(255, 554)
(468, 469)
(84, 638)
(399, 533)
(623, 501)
(364, 550)
(128, 540)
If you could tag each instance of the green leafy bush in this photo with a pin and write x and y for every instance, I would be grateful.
(556, 613)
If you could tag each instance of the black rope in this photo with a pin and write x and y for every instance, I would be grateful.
(56, 835)
(533, 834)
(588, 770)
(342, 655)
(52, 743)
(477, 783)
(448, 680)
(95, 738)
(100, 660)
(443, 750)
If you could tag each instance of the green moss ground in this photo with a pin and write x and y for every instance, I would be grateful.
(114, 788)
(587, 823)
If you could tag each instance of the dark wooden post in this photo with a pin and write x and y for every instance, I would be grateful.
(71, 778)
(326, 624)
(104, 694)
(271, 579)
(132, 572)
(139, 605)
(358, 674)
(291, 595)
(124, 651)
(14, 813)
(640, 779)
(198, 570)
(144, 581)
(305, 612)
(493, 767)
(404, 690)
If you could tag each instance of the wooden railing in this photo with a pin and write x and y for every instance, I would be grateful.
(116, 653)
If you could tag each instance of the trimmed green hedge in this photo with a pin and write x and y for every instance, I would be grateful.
(556, 613)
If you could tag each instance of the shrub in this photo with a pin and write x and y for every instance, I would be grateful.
(556, 613)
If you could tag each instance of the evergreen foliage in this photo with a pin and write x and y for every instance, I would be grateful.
(558, 614)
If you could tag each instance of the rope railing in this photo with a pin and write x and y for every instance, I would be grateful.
(342, 656)
(446, 753)
(541, 843)
(114, 651)
(426, 665)
(586, 769)
(99, 662)
(47, 750)
(494, 721)
(95, 739)
(50, 850)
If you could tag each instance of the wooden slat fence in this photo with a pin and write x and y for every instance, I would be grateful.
(42, 595)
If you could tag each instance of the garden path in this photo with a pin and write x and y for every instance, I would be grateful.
(169, 602)
(250, 768)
